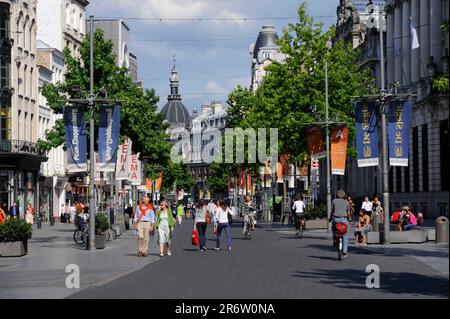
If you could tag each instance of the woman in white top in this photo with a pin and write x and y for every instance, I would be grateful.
(222, 220)
(200, 223)
(298, 207)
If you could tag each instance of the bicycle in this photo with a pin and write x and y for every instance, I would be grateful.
(300, 224)
(339, 230)
(81, 234)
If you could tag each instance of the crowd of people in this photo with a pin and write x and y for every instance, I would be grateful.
(149, 219)
(13, 212)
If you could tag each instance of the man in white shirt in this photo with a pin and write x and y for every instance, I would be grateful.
(211, 208)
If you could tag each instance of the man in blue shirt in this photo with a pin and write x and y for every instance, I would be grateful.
(144, 223)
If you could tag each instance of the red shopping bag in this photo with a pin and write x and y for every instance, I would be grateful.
(195, 239)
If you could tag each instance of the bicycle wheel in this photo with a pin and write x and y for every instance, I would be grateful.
(340, 249)
(78, 237)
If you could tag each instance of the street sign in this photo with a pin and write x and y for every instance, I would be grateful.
(314, 164)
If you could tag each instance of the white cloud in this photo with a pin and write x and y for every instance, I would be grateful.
(213, 87)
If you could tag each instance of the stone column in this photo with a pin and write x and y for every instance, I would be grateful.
(398, 74)
(389, 44)
(415, 54)
(436, 31)
(424, 36)
(406, 43)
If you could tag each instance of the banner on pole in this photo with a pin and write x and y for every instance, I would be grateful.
(135, 170)
(366, 134)
(108, 137)
(123, 165)
(399, 119)
(75, 128)
(339, 137)
(315, 142)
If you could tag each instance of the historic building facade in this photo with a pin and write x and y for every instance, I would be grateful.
(263, 52)
(423, 185)
(20, 158)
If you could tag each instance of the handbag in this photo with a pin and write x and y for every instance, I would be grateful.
(195, 239)
(230, 217)
(207, 218)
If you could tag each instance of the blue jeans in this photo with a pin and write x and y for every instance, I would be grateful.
(225, 226)
(344, 237)
(409, 226)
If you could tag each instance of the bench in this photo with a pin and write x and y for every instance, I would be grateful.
(418, 235)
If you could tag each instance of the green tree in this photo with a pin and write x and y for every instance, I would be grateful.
(140, 120)
(291, 89)
(177, 174)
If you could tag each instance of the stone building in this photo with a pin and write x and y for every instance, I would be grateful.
(423, 185)
(263, 53)
(20, 158)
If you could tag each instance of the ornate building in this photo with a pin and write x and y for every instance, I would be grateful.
(263, 53)
(20, 158)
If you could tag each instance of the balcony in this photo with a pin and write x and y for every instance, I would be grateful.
(22, 147)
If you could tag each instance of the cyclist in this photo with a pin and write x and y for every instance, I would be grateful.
(341, 213)
(298, 207)
(249, 211)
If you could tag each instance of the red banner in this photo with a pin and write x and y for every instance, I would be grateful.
(315, 142)
(339, 136)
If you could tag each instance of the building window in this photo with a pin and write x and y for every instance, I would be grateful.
(425, 172)
(415, 155)
(444, 155)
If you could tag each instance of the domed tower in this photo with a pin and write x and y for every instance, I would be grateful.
(174, 111)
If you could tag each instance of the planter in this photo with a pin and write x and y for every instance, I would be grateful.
(100, 241)
(316, 224)
(14, 249)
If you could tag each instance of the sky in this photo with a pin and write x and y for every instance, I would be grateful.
(212, 57)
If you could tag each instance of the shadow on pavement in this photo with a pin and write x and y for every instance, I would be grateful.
(390, 282)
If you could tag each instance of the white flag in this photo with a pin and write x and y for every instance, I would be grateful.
(414, 37)
(123, 165)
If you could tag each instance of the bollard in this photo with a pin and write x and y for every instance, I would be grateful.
(52, 220)
(442, 230)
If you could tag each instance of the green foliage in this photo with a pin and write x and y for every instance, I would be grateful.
(179, 173)
(444, 26)
(15, 229)
(101, 223)
(140, 120)
(319, 211)
(217, 182)
(440, 84)
(291, 89)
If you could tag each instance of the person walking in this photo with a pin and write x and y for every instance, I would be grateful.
(180, 212)
(14, 211)
(341, 214)
(144, 221)
(367, 206)
(164, 225)
(29, 214)
(222, 220)
(200, 223)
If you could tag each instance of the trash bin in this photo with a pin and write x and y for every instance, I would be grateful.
(442, 230)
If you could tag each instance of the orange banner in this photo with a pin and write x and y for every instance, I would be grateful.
(339, 136)
(279, 172)
(284, 159)
(148, 184)
(315, 142)
(158, 182)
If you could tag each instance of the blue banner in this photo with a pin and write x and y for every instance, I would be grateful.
(108, 138)
(366, 114)
(75, 127)
(399, 119)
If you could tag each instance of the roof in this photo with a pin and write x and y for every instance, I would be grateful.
(175, 112)
(267, 37)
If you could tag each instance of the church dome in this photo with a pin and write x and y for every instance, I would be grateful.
(267, 37)
(174, 111)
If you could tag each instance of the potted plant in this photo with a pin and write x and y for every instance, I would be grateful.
(14, 235)
(101, 226)
(317, 218)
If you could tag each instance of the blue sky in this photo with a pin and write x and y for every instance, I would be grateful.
(208, 69)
